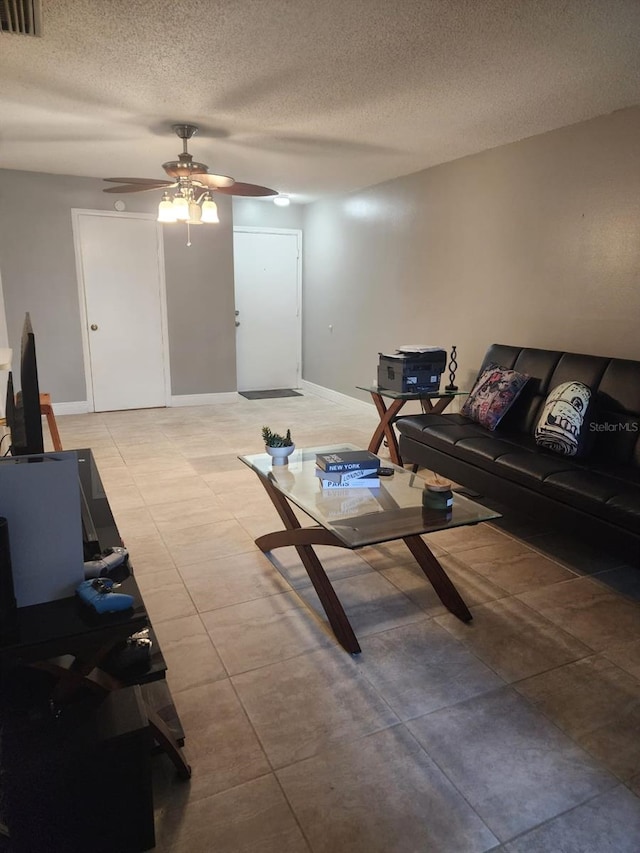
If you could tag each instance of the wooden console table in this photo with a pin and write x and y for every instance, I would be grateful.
(431, 404)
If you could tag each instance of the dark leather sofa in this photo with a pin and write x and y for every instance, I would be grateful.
(596, 497)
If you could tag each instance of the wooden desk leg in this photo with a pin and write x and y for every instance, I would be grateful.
(166, 741)
(89, 674)
(385, 427)
(440, 580)
(321, 583)
(71, 678)
(46, 409)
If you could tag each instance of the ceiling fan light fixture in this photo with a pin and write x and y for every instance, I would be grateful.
(181, 206)
(166, 212)
(195, 214)
(209, 210)
(282, 200)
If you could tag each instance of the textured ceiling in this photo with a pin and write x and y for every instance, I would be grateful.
(311, 97)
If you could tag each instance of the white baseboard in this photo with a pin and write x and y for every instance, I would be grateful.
(80, 407)
(205, 399)
(336, 396)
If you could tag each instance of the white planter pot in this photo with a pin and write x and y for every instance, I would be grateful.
(279, 455)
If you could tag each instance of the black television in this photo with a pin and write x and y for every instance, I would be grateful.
(24, 419)
(23, 414)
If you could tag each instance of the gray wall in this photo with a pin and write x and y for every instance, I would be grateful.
(38, 269)
(534, 243)
(254, 213)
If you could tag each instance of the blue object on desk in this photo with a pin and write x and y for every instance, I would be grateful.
(98, 593)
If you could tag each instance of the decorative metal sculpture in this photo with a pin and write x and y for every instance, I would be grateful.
(453, 366)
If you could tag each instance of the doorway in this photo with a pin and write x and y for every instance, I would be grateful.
(268, 282)
(120, 265)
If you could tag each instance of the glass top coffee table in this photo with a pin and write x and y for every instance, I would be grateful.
(353, 518)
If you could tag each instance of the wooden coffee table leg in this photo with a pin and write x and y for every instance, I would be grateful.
(439, 579)
(329, 600)
(321, 583)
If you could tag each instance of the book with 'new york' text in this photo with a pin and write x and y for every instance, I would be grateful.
(347, 460)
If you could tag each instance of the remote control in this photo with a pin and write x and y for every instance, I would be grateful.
(386, 472)
(98, 593)
(105, 564)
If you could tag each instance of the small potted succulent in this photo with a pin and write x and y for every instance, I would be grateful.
(279, 447)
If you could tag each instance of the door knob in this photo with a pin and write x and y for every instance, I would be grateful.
(94, 328)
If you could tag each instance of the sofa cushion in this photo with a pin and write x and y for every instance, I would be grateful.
(415, 425)
(486, 447)
(531, 468)
(585, 486)
(459, 437)
(626, 473)
(617, 438)
(449, 436)
(596, 493)
(493, 394)
(575, 367)
(565, 423)
(625, 509)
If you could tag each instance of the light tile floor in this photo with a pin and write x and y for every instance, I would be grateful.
(517, 732)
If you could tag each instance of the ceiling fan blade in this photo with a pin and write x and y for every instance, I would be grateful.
(136, 188)
(212, 181)
(246, 189)
(154, 181)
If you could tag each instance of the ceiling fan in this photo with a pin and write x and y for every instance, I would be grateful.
(192, 202)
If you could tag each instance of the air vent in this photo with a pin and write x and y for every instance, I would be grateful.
(20, 17)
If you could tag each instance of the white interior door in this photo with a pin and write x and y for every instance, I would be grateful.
(267, 294)
(121, 279)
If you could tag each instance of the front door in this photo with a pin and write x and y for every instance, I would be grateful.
(120, 270)
(268, 321)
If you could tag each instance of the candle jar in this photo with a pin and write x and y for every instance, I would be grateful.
(437, 496)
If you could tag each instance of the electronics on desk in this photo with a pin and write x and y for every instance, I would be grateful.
(417, 370)
(40, 498)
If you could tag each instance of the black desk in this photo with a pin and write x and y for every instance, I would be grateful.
(66, 626)
(68, 640)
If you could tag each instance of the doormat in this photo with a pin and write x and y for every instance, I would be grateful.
(270, 395)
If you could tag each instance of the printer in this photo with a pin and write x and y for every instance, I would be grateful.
(412, 370)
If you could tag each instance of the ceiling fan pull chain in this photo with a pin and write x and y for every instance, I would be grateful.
(188, 234)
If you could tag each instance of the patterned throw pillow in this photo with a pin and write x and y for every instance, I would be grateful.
(493, 394)
(564, 423)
